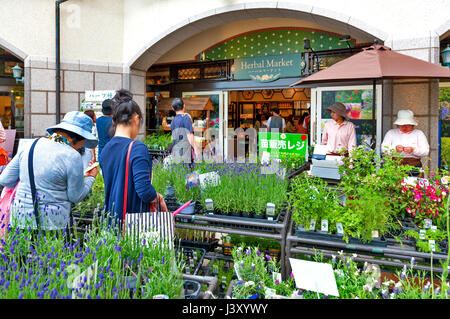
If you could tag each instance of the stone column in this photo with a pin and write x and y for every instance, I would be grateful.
(135, 81)
(421, 97)
(76, 78)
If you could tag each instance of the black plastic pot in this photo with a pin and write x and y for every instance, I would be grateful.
(259, 216)
(247, 215)
(235, 214)
(319, 235)
(207, 245)
(191, 289)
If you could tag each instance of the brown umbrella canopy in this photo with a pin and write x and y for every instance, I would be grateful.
(377, 62)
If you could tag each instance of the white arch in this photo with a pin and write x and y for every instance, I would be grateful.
(13, 49)
(168, 39)
(443, 30)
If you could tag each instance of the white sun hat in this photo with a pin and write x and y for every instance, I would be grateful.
(405, 117)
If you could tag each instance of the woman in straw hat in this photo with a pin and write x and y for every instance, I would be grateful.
(58, 172)
(405, 140)
(339, 134)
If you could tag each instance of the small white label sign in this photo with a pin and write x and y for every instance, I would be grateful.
(314, 276)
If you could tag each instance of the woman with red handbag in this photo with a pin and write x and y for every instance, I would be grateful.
(126, 164)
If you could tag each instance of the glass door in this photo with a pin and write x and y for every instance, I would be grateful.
(211, 139)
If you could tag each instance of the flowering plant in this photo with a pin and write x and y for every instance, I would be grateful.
(425, 200)
(46, 266)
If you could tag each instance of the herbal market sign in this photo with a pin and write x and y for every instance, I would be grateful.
(278, 143)
(268, 68)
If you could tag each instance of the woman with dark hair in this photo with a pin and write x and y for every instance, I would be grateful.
(127, 119)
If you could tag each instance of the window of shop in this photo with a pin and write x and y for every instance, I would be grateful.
(359, 103)
(11, 95)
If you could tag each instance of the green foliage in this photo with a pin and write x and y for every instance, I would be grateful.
(95, 201)
(423, 245)
(291, 161)
(311, 198)
(158, 141)
(445, 151)
(160, 176)
(242, 187)
(368, 211)
(444, 94)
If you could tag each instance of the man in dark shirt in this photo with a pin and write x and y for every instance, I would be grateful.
(276, 122)
(104, 124)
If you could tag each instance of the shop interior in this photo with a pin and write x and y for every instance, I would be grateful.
(247, 107)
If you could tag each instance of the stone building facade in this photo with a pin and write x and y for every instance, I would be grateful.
(110, 44)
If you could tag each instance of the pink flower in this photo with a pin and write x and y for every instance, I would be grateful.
(409, 210)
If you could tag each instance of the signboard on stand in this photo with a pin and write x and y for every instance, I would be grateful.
(93, 100)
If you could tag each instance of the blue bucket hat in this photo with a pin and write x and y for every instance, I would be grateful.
(78, 123)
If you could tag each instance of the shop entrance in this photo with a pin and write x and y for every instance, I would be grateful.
(252, 109)
(209, 126)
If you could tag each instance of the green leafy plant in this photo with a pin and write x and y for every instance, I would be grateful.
(368, 211)
(158, 141)
(311, 198)
(95, 201)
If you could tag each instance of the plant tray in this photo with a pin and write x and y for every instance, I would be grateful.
(228, 222)
(208, 246)
(291, 174)
(158, 153)
(189, 253)
(338, 238)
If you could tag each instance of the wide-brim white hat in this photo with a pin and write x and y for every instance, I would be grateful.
(405, 117)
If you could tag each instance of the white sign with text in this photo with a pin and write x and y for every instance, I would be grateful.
(314, 276)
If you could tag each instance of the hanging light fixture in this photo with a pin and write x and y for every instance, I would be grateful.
(446, 56)
(17, 73)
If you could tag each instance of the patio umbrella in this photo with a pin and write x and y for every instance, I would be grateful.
(377, 62)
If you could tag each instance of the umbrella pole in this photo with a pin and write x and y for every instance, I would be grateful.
(374, 90)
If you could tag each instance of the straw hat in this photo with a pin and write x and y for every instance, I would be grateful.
(405, 117)
(339, 109)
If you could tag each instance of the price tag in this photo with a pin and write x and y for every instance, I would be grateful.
(432, 244)
(427, 223)
(269, 292)
(433, 228)
(324, 225)
(312, 225)
(422, 234)
(375, 234)
(340, 229)
(211, 178)
(270, 210)
(209, 204)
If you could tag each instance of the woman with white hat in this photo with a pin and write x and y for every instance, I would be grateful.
(339, 134)
(405, 140)
(53, 168)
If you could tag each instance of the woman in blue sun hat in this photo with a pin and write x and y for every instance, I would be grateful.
(58, 175)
